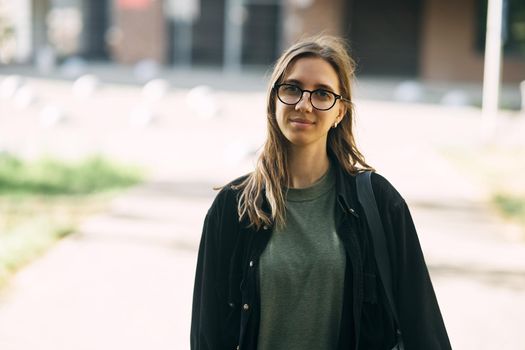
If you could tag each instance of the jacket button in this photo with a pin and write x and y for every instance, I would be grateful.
(246, 306)
(265, 227)
(231, 304)
(251, 263)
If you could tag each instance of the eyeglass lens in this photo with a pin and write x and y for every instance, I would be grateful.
(320, 99)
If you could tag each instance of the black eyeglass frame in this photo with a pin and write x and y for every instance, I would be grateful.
(276, 87)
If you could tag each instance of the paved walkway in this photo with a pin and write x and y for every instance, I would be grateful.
(124, 280)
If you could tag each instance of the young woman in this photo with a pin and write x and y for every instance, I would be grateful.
(286, 260)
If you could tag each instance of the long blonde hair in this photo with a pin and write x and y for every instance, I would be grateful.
(271, 177)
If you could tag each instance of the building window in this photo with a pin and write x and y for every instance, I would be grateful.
(513, 27)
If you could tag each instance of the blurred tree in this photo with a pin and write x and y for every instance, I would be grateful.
(6, 28)
(6, 33)
(513, 30)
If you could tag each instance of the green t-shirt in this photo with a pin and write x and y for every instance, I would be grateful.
(301, 273)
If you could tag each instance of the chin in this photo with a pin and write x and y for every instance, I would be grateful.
(299, 141)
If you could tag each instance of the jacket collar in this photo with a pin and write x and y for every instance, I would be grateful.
(345, 188)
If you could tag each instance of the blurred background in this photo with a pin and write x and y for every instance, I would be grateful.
(118, 117)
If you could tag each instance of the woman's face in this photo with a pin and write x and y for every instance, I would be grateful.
(302, 124)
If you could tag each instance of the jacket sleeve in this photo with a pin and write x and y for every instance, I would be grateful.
(420, 319)
(206, 309)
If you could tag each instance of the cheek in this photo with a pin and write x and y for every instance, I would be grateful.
(279, 115)
(279, 109)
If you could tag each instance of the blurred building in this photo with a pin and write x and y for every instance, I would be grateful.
(426, 39)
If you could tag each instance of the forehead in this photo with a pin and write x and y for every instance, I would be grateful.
(312, 71)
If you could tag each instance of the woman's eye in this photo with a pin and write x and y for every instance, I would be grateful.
(322, 94)
(291, 88)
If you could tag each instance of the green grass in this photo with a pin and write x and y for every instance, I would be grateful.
(511, 206)
(42, 201)
(27, 241)
(53, 177)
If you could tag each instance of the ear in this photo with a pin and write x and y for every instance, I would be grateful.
(342, 112)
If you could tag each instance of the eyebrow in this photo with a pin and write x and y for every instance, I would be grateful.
(317, 86)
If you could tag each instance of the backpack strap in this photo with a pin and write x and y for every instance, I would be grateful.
(365, 195)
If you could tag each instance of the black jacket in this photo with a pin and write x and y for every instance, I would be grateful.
(226, 298)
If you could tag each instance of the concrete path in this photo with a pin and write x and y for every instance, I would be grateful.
(124, 280)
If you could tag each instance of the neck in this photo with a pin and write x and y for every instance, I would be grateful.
(306, 166)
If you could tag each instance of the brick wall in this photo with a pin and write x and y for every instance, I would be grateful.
(448, 41)
(140, 30)
(321, 16)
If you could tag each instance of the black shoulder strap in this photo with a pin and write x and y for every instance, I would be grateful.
(366, 197)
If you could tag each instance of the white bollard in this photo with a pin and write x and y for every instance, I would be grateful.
(202, 102)
(73, 67)
(24, 97)
(155, 90)
(9, 85)
(85, 86)
(408, 91)
(457, 98)
(50, 116)
(146, 70)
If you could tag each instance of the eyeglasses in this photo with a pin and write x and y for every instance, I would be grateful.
(321, 99)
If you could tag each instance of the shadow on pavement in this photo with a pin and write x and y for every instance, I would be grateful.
(496, 278)
(172, 189)
(450, 206)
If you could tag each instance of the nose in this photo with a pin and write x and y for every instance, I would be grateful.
(304, 103)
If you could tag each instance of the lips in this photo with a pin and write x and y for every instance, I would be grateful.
(301, 121)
